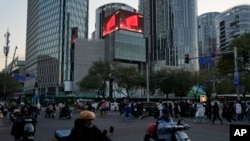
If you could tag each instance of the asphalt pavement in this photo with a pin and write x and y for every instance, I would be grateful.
(124, 130)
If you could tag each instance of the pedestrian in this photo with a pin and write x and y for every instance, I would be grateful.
(103, 107)
(248, 111)
(200, 113)
(208, 110)
(238, 110)
(216, 114)
(139, 110)
(84, 129)
(159, 108)
(176, 110)
(230, 113)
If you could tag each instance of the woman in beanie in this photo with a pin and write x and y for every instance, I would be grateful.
(85, 130)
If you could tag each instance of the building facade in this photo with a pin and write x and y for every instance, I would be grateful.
(49, 37)
(231, 24)
(170, 28)
(86, 52)
(207, 37)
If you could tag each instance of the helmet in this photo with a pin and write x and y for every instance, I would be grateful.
(87, 115)
(165, 110)
(152, 128)
(16, 110)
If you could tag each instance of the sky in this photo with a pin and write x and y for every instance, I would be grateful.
(14, 15)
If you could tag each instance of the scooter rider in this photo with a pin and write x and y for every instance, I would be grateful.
(84, 129)
(22, 125)
(165, 126)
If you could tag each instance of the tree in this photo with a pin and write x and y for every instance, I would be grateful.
(97, 76)
(162, 80)
(12, 86)
(183, 83)
(195, 90)
(225, 64)
(127, 78)
(205, 79)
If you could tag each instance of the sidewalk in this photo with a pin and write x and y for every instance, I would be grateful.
(225, 122)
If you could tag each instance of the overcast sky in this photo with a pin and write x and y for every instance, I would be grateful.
(14, 14)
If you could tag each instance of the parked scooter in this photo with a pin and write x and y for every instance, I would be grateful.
(177, 132)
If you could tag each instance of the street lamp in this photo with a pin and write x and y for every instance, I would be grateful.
(6, 52)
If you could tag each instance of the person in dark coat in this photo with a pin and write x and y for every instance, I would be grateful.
(84, 129)
(208, 110)
(216, 115)
(230, 113)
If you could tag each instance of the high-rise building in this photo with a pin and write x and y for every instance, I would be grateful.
(52, 27)
(231, 24)
(104, 11)
(121, 27)
(207, 37)
(170, 27)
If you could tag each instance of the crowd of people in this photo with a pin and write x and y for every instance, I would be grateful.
(165, 113)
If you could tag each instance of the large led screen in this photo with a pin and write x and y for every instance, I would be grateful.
(122, 19)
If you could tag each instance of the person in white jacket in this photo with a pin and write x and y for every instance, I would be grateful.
(238, 110)
(200, 113)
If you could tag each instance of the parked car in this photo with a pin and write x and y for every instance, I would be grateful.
(149, 108)
(83, 103)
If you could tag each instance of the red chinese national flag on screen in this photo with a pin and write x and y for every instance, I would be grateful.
(111, 23)
(132, 21)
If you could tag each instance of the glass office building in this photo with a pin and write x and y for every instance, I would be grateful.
(49, 51)
(207, 36)
(170, 27)
(126, 47)
(231, 24)
(121, 27)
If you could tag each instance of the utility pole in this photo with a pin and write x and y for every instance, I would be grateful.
(236, 74)
(6, 52)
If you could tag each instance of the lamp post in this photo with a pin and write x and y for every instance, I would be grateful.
(6, 52)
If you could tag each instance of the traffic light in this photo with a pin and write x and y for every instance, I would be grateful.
(245, 55)
(187, 58)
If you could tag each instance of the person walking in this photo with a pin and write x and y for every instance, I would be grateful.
(248, 111)
(208, 110)
(216, 114)
(238, 110)
(230, 113)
